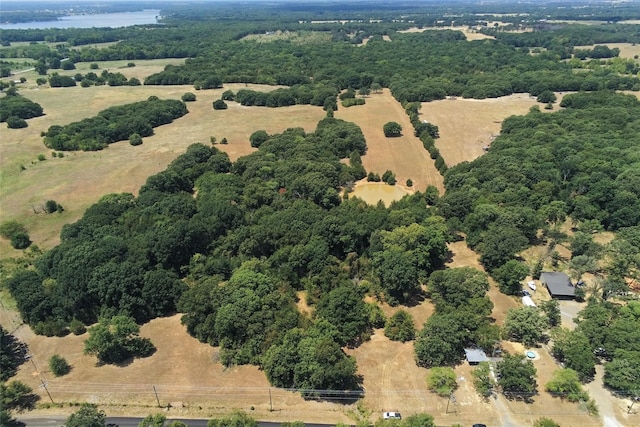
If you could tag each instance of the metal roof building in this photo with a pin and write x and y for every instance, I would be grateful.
(558, 284)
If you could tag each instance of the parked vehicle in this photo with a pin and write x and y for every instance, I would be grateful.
(391, 416)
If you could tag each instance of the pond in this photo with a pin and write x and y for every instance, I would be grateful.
(373, 192)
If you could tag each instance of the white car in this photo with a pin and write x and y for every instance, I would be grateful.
(391, 416)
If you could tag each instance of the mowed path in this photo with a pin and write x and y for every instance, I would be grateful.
(405, 155)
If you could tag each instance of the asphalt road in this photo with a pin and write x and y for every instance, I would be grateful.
(133, 422)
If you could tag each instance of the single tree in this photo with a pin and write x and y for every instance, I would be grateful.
(87, 416)
(482, 379)
(400, 327)
(509, 276)
(258, 137)
(525, 325)
(189, 97)
(116, 339)
(565, 383)
(546, 97)
(58, 365)
(517, 375)
(442, 380)
(392, 129)
(135, 139)
(156, 420)
(219, 104)
(551, 309)
(545, 422)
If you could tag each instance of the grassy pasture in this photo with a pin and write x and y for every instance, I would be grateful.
(80, 178)
(627, 50)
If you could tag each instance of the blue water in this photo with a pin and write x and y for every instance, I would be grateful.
(113, 20)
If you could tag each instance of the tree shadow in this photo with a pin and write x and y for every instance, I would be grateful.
(519, 397)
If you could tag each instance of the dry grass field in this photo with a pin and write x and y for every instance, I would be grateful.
(627, 50)
(405, 155)
(80, 178)
(468, 125)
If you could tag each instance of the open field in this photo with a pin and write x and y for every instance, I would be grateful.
(80, 178)
(627, 50)
(468, 125)
(405, 155)
(470, 34)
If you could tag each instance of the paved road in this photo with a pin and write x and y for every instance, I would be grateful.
(58, 421)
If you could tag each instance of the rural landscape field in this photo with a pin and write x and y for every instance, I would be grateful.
(347, 202)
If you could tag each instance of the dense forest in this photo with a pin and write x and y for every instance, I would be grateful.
(231, 245)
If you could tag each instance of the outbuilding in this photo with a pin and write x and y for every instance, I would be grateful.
(559, 285)
(475, 356)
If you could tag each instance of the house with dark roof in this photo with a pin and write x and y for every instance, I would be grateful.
(558, 284)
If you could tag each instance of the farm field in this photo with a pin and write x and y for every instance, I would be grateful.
(404, 155)
(627, 50)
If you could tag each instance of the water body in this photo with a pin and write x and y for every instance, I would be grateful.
(112, 20)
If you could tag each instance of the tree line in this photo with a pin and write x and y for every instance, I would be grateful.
(114, 124)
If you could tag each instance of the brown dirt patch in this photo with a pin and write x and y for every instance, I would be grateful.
(405, 155)
(373, 192)
(468, 125)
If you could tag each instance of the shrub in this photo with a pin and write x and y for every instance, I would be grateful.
(8, 229)
(15, 122)
(189, 97)
(409, 182)
(400, 327)
(58, 365)
(135, 139)
(219, 104)
(392, 129)
(20, 241)
(41, 157)
(93, 66)
(350, 102)
(228, 95)
(131, 64)
(258, 138)
(51, 328)
(77, 327)
(52, 206)
(389, 177)
(373, 177)
(442, 380)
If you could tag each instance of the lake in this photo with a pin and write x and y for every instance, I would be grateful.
(113, 20)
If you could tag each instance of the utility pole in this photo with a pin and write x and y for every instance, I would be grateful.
(156, 393)
(44, 385)
(270, 401)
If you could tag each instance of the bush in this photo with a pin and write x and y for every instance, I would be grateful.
(389, 177)
(14, 122)
(52, 206)
(20, 240)
(41, 157)
(392, 129)
(228, 95)
(77, 327)
(189, 97)
(373, 177)
(93, 66)
(58, 365)
(135, 139)
(350, 102)
(51, 328)
(8, 229)
(219, 104)
(258, 138)
(442, 380)
(400, 327)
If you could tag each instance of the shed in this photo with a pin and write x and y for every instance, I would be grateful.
(527, 301)
(475, 356)
(558, 284)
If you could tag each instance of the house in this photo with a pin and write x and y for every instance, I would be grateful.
(475, 356)
(558, 284)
